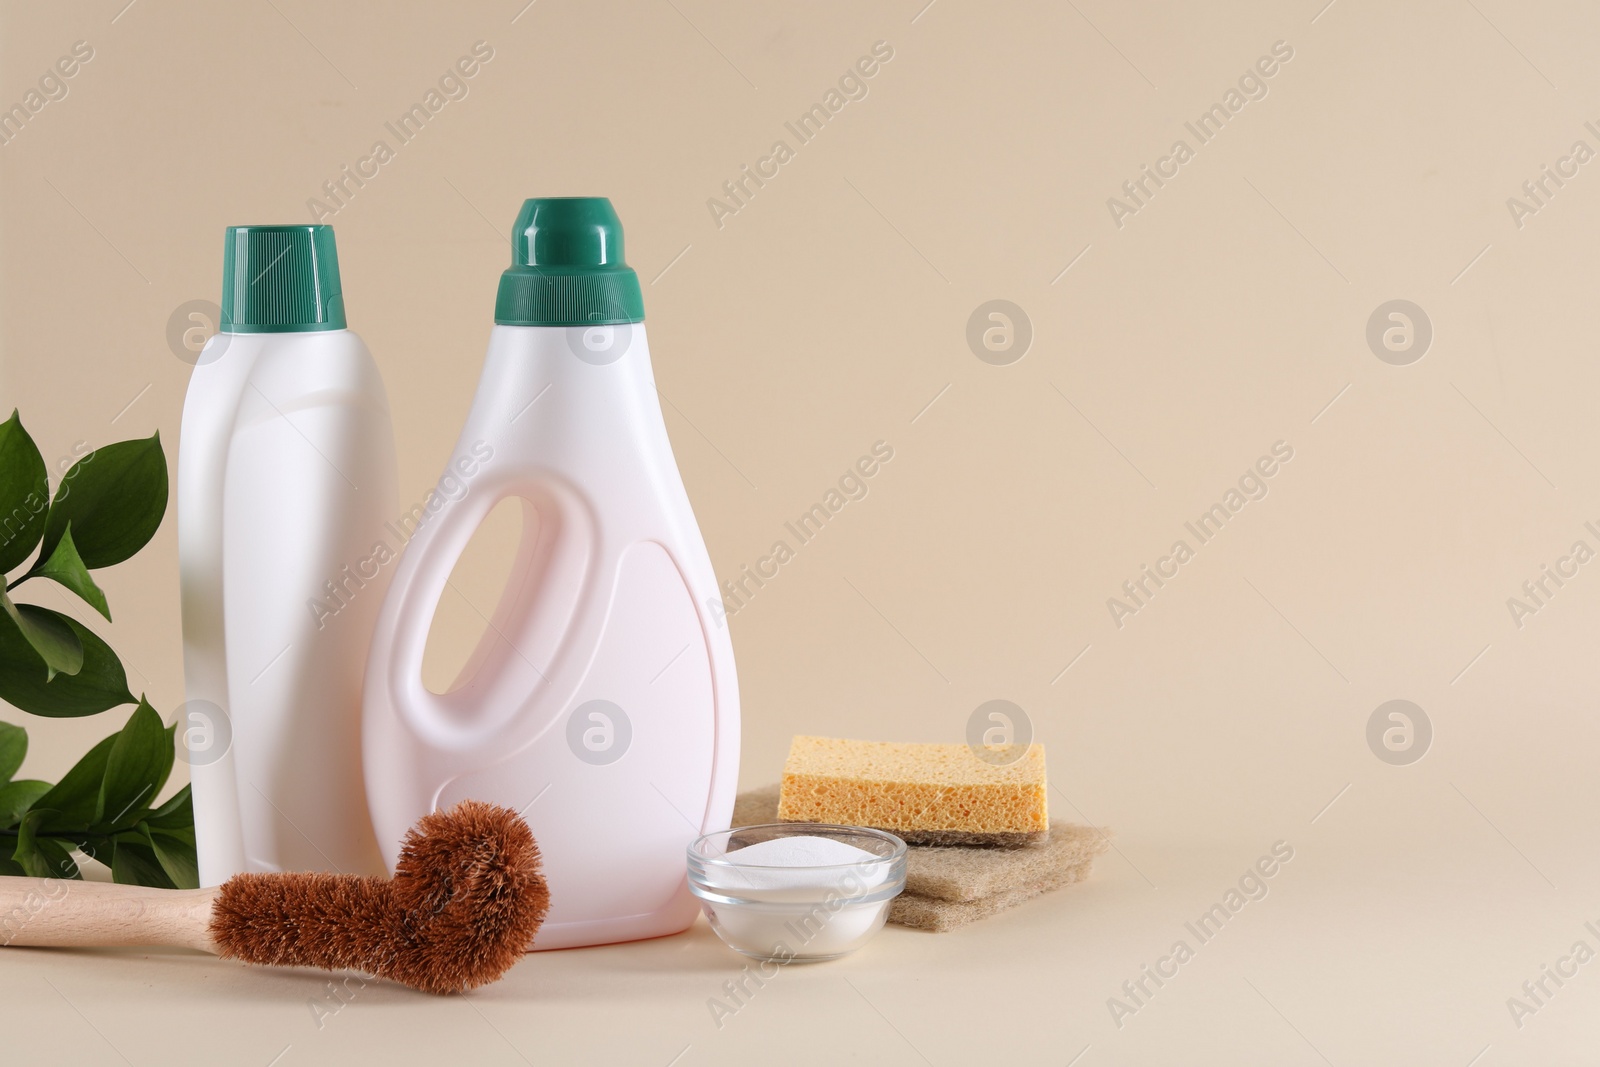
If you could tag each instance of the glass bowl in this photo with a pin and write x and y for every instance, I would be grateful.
(792, 913)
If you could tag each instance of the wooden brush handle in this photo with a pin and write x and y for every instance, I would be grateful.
(57, 912)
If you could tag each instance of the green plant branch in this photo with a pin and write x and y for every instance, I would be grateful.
(105, 509)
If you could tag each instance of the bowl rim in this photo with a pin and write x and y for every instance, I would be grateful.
(801, 829)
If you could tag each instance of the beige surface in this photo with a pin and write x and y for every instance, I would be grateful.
(830, 313)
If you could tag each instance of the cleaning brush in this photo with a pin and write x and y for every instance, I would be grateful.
(464, 903)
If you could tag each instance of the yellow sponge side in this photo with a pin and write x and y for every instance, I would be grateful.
(912, 787)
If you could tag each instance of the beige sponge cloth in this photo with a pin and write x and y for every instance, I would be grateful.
(949, 886)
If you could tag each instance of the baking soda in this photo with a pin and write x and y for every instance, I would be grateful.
(787, 863)
(797, 897)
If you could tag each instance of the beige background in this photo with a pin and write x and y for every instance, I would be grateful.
(830, 313)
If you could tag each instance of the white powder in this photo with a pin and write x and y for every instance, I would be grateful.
(790, 862)
(801, 851)
(797, 889)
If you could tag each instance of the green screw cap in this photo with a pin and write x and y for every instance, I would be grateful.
(567, 267)
(280, 279)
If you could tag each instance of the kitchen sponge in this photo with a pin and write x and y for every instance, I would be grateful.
(926, 794)
(949, 887)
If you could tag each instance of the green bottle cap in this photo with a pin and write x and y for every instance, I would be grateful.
(280, 279)
(567, 267)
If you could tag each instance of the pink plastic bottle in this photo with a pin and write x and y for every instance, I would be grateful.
(602, 701)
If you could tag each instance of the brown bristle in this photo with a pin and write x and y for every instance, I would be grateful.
(463, 906)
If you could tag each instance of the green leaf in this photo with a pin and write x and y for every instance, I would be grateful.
(59, 857)
(136, 768)
(24, 493)
(11, 868)
(114, 497)
(75, 798)
(100, 684)
(16, 798)
(134, 862)
(92, 846)
(13, 749)
(175, 852)
(176, 814)
(67, 567)
(41, 856)
(48, 634)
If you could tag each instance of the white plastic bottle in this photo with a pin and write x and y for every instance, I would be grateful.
(602, 701)
(286, 477)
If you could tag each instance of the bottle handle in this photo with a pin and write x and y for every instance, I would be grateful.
(526, 653)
